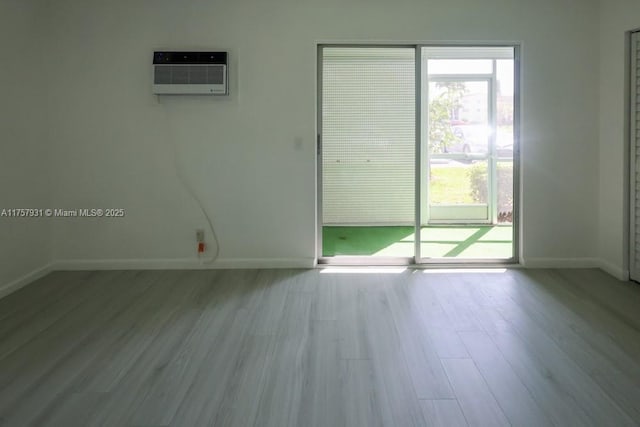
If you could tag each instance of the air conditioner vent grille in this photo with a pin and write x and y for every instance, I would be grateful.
(188, 74)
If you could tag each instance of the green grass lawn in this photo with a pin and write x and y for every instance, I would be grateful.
(450, 185)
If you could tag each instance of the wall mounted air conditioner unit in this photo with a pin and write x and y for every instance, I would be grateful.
(190, 73)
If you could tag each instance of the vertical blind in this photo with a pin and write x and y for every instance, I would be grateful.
(368, 135)
(635, 164)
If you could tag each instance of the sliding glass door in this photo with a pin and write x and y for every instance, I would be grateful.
(368, 131)
(467, 167)
(416, 154)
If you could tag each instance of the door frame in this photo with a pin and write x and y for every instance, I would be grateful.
(489, 157)
(417, 259)
(631, 128)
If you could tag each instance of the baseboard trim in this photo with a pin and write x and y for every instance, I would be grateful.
(253, 263)
(179, 264)
(606, 266)
(614, 270)
(24, 280)
(560, 262)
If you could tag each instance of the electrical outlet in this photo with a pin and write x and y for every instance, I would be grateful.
(200, 235)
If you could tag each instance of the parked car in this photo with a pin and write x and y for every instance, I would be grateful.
(473, 138)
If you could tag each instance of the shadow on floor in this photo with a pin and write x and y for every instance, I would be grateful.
(436, 241)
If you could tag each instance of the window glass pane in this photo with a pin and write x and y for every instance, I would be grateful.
(459, 66)
(458, 182)
(504, 131)
(467, 52)
(504, 140)
(505, 191)
(458, 117)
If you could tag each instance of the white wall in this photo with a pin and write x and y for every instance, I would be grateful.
(113, 137)
(617, 17)
(25, 182)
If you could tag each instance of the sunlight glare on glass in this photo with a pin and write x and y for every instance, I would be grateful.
(504, 73)
(460, 66)
(363, 270)
(465, 270)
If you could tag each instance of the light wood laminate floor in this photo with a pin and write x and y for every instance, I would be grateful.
(316, 348)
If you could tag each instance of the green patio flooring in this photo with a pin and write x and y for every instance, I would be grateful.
(435, 241)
